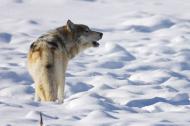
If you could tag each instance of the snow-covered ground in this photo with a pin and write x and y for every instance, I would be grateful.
(139, 76)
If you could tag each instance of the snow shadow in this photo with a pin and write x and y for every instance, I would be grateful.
(15, 77)
(88, 0)
(79, 87)
(180, 99)
(10, 104)
(74, 88)
(5, 37)
(163, 24)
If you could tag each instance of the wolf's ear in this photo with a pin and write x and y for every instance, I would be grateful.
(70, 25)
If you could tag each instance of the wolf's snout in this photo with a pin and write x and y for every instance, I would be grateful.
(101, 34)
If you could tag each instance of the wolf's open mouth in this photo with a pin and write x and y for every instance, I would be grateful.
(95, 44)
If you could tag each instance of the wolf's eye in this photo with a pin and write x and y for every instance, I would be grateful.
(86, 30)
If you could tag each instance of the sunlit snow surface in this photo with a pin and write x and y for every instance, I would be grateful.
(139, 76)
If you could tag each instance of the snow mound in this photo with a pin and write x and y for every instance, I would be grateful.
(150, 77)
(117, 52)
(163, 107)
(101, 116)
(148, 24)
(179, 99)
(14, 91)
(36, 115)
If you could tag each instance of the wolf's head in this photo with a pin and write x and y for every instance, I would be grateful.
(83, 35)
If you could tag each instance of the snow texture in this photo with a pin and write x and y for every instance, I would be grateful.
(139, 76)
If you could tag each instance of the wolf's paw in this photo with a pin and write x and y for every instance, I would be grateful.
(60, 101)
(36, 99)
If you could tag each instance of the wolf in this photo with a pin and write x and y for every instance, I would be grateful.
(48, 58)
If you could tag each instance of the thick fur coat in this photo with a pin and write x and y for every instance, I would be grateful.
(49, 55)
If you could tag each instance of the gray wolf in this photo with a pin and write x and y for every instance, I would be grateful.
(49, 55)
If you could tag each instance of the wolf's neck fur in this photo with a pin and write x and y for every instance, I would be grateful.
(65, 34)
(71, 45)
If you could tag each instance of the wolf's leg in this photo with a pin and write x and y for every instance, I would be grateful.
(61, 87)
(60, 92)
(36, 97)
(39, 93)
(60, 67)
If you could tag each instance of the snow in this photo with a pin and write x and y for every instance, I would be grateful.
(139, 76)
